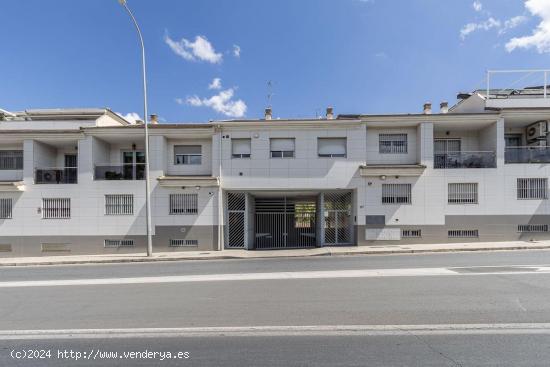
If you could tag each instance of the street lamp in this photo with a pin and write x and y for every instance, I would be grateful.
(147, 185)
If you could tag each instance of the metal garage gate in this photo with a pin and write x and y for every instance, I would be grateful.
(285, 223)
(236, 209)
(338, 226)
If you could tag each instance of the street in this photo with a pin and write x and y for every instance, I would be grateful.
(452, 309)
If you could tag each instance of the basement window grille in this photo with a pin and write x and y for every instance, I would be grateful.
(11, 159)
(392, 144)
(463, 193)
(56, 208)
(118, 243)
(532, 228)
(119, 204)
(184, 203)
(183, 243)
(6, 208)
(411, 233)
(463, 233)
(532, 188)
(396, 193)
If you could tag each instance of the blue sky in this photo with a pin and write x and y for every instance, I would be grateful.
(360, 56)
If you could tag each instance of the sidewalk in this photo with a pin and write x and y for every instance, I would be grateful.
(244, 254)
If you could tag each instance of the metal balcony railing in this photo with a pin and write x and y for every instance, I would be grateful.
(119, 172)
(465, 160)
(56, 175)
(527, 155)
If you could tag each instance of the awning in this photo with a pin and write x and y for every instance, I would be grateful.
(12, 186)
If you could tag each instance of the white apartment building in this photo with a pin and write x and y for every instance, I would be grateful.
(72, 181)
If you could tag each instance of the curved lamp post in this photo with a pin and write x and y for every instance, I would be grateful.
(145, 116)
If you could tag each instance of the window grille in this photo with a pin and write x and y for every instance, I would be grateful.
(56, 208)
(463, 193)
(187, 154)
(463, 233)
(240, 148)
(411, 233)
(184, 203)
(183, 243)
(282, 147)
(392, 143)
(530, 228)
(118, 243)
(532, 188)
(396, 193)
(11, 159)
(331, 147)
(119, 204)
(6, 208)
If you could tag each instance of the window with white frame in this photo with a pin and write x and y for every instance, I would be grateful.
(11, 159)
(119, 204)
(463, 233)
(240, 148)
(462, 193)
(56, 208)
(187, 154)
(282, 147)
(532, 188)
(396, 193)
(6, 208)
(532, 228)
(184, 203)
(332, 147)
(392, 143)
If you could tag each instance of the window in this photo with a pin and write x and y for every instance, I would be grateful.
(396, 193)
(240, 148)
(331, 147)
(11, 159)
(463, 233)
(183, 243)
(462, 193)
(392, 143)
(56, 208)
(5, 208)
(281, 148)
(184, 203)
(120, 204)
(118, 243)
(532, 228)
(411, 233)
(532, 188)
(187, 154)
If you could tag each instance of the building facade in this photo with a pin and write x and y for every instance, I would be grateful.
(72, 181)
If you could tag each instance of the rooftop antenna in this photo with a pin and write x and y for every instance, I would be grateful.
(269, 93)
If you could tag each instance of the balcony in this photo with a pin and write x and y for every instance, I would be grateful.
(527, 155)
(118, 172)
(56, 175)
(465, 160)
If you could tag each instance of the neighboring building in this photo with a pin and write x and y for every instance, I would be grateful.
(71, 181)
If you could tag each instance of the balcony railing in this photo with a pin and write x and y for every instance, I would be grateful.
(527, 155)
(119, 172)
(465, 160)
(56, 175)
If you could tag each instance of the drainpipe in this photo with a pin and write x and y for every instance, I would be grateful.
(220, 192)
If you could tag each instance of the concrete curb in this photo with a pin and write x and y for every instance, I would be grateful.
(327, 252)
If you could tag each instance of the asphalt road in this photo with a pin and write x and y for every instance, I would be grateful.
(502, 288)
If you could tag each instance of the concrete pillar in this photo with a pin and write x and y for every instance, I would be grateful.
(500, 143)
(425, 137)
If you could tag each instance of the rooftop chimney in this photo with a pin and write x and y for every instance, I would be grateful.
(154, 119)
(268, 113)
(330, 113)
(427, 108)
(444, 107)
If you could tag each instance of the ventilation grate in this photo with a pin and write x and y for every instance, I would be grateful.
(118, 243)
(174, 242)
(532, 228)
(463, 233)
(55, 247)
(411, 233)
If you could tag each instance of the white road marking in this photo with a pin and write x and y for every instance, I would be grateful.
(329, 274)
(328, 330)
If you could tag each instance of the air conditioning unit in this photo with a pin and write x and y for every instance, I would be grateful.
(536, 131)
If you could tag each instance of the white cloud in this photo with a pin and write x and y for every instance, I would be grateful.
(513, 23)
(131, 117)
(485, 25)
(236, 50)
(222, 102)
(477, 5)
(216, 84)
(540, 37)
(199, 50)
